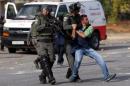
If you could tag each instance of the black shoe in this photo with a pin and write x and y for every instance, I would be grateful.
(60, 63)
(68, 74)
(52, 82)
(110, 77)
(42, 79)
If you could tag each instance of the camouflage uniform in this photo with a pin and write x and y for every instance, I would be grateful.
(67, 24)
(42, 39)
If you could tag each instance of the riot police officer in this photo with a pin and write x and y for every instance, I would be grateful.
(42, 38)
(71, 23)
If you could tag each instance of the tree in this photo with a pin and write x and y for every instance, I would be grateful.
(116, 9)
(107, 7)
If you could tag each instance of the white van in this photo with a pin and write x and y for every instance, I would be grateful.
(17, 25)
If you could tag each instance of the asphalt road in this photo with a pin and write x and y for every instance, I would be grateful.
(18, 69)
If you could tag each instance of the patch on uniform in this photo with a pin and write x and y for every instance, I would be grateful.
(65, 18)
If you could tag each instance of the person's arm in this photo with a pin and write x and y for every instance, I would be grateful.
(36, 62)
(81, 34)
(88, 32)
(74, 26)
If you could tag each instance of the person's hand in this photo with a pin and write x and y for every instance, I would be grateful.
(37, 66)
(34, 41)
(28, 41)
(74, 26)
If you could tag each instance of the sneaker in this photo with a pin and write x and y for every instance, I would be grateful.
(78, 79)
(110, 77)
(75, 79)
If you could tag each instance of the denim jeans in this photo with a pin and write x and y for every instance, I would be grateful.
(92, 54)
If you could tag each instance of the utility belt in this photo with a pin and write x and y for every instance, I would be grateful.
(45, 38)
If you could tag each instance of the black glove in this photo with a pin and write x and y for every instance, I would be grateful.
(36, 65)
(40, 28)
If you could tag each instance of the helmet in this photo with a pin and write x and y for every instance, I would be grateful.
(75, 7)
(48, 8)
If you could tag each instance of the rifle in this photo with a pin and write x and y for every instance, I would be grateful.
(53, 24)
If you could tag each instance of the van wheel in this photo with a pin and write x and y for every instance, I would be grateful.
(12, 50)
(95, 41)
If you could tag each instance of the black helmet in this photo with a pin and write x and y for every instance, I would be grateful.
(75, 7)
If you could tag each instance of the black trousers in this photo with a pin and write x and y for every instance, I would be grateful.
(59, 49)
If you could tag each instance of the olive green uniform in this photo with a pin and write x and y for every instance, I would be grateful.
(67, 24)
(44, 39)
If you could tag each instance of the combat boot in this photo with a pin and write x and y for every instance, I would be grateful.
(68, 74)
(42, 79)
(48, 70)
(52, 81)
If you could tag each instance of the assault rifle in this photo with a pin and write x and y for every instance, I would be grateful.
(53, 24)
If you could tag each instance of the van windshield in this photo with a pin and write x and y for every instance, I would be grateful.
(29, 11)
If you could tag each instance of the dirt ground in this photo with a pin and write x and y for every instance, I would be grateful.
(120, 27)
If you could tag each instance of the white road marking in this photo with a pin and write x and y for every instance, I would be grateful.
(119, 52)
(26, 72)
(2, 62)
(123, 73)
(21, 64)
(11, 68)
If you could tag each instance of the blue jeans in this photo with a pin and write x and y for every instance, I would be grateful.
(92, 54)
